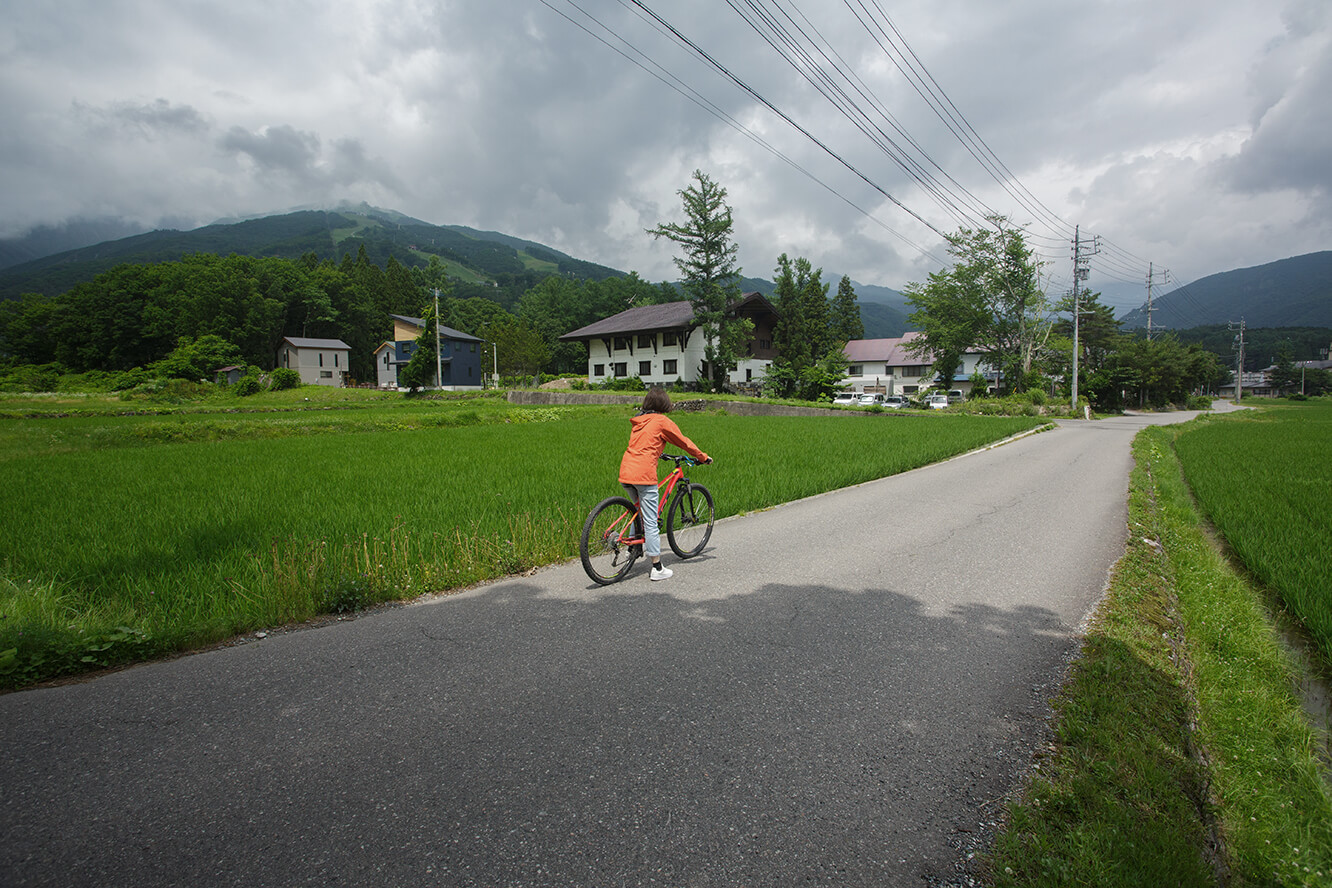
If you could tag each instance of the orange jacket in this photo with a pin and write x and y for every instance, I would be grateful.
(647, 440)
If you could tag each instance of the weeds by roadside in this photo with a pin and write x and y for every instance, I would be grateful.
(1181, 756)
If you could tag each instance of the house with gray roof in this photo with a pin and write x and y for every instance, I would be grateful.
(661, 344)
(319, 361)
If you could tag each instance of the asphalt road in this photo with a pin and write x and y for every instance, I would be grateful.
(839, 691)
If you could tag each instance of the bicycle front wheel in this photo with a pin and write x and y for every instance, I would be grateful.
(605, 558)
(689, 522)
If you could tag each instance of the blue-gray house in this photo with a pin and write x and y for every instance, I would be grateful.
(460, 355)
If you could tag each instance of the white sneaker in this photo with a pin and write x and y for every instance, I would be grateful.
(663, 574)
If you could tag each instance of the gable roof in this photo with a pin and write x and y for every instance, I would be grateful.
(887, 351)
(303, 342)
(446, 332)
(643, 319)
(655, 318)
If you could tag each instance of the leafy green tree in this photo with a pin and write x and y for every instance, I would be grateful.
(710, 276)
(990, 301)
(198, 359)
(422, 370)
(521, 350)
(1284, 376)
(844, 321)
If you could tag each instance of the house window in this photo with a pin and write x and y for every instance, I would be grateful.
(668, 367)
(620, 369)
(645, 340)
(473, 348)
(385, 357)
(668, 339)
(887, 370)
(644, 368)
(321, 360)
(325, 374)
(855, 370)
(598, 369)
(336, 356)
(765, 343)
(621, 342)
(286, 358)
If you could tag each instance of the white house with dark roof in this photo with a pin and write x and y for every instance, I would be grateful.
(661, 344)
(890, 367)
(319, 361)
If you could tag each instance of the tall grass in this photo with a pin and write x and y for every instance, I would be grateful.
(1265, 481)
(172, 545)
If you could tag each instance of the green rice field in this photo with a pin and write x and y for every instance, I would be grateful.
(128, 537)
(1265, 482)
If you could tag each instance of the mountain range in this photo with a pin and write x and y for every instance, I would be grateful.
(1289, 292)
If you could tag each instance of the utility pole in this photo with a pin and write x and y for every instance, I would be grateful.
(439, 359)
(1239, 362)
(1081, 271)
(1151, 278)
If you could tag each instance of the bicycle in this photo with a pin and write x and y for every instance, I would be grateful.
(612, 537)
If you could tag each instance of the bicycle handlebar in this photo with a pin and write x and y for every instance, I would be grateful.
(678, 458)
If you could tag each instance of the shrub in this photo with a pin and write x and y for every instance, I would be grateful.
(247, 385)
(284, 378)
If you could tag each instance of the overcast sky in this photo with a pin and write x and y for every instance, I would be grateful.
(1193, 135)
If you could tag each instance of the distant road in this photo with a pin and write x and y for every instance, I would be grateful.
(840, 691)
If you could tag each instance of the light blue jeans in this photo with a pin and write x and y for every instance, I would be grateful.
(646, 495)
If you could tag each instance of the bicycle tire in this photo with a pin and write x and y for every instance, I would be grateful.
(605, 559)
(689, 521)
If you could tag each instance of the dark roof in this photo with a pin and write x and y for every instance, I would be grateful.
(446, 332)
(303, 342)
(651, 319)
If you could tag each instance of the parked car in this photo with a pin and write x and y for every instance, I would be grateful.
(869, 399)
(895, 402)
(955, 396)
(846, 399)
(937, 401)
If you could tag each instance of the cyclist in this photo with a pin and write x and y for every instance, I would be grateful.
(650, 430)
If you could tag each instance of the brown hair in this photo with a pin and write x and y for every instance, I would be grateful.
(656, 401)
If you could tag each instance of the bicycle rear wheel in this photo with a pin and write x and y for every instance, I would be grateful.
(605, 558)
(689, 521)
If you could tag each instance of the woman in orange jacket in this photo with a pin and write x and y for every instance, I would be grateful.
(650, 432)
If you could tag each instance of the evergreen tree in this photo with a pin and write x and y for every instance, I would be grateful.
(845, 322)
(711, 278)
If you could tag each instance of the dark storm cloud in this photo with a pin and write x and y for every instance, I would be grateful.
(276, 149)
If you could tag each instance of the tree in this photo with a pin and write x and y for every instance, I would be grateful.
(1284, 377)
(990, 301)
(711, 278)
(423, 368)
(801, 336)
(844, 321)
(198, 359)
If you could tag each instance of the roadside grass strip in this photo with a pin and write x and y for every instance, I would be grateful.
(1180, 754)
(112, 552)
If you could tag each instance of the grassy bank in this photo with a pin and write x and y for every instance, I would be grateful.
(125, 539)
(1181, 756)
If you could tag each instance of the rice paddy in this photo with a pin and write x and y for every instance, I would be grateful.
(128, 537)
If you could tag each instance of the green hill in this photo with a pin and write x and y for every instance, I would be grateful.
(472, 255)
(1294, 292)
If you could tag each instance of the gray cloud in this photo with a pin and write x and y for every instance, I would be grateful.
(1168, 128)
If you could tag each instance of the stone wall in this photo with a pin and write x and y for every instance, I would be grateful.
(735, 408)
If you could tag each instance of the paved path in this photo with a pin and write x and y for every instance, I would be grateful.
(840, 691)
